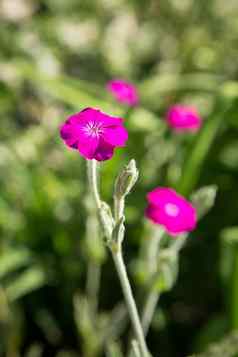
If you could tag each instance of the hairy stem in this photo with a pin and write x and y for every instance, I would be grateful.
(130, 302)
(119, 205)
(125, 284)
(93, 284)
(94, 268)
(92, 166)
(152, 297)
(149, 310)
(118, 259)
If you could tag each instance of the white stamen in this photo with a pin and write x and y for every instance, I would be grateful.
(93, 129)
(171, 209)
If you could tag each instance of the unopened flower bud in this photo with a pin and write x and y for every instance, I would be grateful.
(106, 219)
(204, 199)
(126, 180)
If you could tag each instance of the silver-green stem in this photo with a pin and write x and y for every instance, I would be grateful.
(135, 348)
(152, 297)
(179, 243)
(119, 205)
(149, 310)
(93, 284)
(153, 253)
(125, 284)
(118, 260)
(153, 249)
(94, 269)
(92, 167)
(132, 309)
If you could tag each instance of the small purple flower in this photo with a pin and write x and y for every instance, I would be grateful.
(94, 134)
(183, 118)
(167, 208)
(124, 92)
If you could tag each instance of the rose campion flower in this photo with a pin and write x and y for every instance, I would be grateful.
(124, 92)
(94, 134)
(183, 118)
(172, 211)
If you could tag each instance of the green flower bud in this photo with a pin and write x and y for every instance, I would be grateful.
(126, 180)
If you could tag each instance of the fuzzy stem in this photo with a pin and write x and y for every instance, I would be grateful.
(94, 268)
(149, 310)
(93, 284)
(132, 309)
(125, 284)
(119, 205)
(152, 297)
(118, 260)
(135, 348)
(93, 180)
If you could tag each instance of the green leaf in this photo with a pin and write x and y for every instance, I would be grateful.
(201, 145)
(227, 347)
(13, 260)
(26, 282)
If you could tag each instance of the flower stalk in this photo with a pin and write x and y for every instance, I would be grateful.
(152, 297)
(92, 166)
(130, 302)
(124, 184)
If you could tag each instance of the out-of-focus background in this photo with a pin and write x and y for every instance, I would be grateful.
(55, 58)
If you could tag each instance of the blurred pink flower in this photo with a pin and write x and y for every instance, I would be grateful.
(169, 209)
(94, 134)
(124, 92)
(183, 118)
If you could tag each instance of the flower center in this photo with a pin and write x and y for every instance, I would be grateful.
(93, 129)
(171, 209)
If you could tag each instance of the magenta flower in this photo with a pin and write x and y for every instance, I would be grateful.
(124, 92)
(183, 118)
(169, 209)
(94, 134)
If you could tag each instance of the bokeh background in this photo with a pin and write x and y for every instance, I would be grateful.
(55, 58)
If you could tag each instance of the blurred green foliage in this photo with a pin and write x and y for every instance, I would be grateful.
(55, 58)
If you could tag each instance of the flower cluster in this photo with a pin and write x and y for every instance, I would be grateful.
(96, 134)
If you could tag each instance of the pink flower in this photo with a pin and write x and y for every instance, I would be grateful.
(183, 118)
(124, 92)
(94, 134)
(171, 210)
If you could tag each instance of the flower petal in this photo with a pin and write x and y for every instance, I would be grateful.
(104, 151)
(87, 146)
(115, 136)
(69, 136)
(109, 120)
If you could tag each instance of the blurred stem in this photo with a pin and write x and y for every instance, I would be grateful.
(153, 249)
(135, 348)
(152, 297)
(93, 284)
(116, 324)
(178, 244)
(234, 291)
(149, 309)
